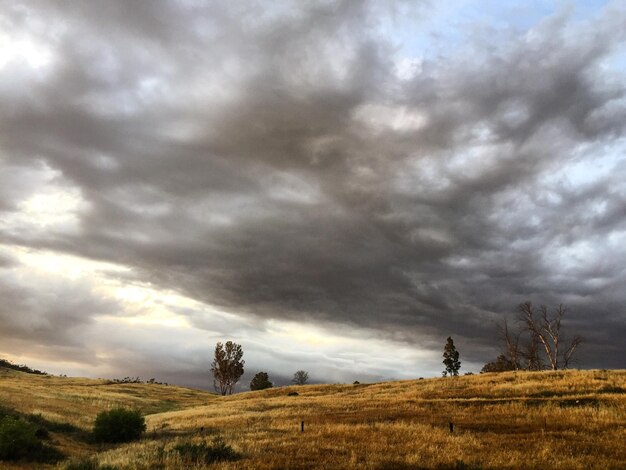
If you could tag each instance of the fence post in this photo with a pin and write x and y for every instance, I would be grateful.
(451, 427)
(302, 426)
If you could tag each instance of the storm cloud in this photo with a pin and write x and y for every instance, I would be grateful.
(309, 162)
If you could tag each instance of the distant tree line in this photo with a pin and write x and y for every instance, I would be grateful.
(21, 367)
(136, 380)
(535, 343)
(228, 367)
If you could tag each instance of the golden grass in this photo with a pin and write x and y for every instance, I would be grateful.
(563, 420)
(77, 401)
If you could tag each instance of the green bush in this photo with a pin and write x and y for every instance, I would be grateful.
(18, 439)
(118, 425)
(203, 453)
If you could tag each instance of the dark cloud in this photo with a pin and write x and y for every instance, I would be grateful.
(271, 161)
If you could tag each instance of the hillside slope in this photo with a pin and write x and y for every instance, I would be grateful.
(568, 420)
(77, 401)
(562, 420)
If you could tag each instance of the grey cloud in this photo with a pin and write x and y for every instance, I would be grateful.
(48, 317)
(222, 152)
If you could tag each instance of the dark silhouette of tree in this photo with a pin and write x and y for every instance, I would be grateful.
(511, 339)
(545, 331)
(227, 366)
(260, 381)
(300, 378)
(501, 364)
(531, 353)
(451, 358)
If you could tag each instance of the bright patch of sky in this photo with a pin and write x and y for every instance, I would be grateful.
(443, 28)
(272, 345)
(53, 206)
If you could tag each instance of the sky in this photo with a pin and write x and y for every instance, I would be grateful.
(338, 186)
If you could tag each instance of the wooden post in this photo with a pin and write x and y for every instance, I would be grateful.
(451, 427)
(302, 426)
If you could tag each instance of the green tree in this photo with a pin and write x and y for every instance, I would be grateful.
(300, 378)
(227, 366)
(451, 358)
(501, 364)
(260, 381)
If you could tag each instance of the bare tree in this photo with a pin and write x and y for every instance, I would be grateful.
(529, 352)
(227, 366)
(300, 377)
(511, 341)
(545, 330)
(569, 352)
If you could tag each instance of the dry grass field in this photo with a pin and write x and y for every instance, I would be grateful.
(561, 420)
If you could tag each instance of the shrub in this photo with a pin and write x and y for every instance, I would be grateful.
(260, 381)
(18, 439)
(203, 453)
(119, 425)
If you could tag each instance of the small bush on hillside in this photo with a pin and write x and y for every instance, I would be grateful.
(17, 439)
(204, 453)
(118, 425)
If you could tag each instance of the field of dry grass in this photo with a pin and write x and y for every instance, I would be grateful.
(77, 400)
(562, 420)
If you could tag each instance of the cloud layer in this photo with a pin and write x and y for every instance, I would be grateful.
(303, 164)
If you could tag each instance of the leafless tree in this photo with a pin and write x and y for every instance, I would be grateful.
(511, 341)
(545, 330)
(569, 352)
(301, 377)
(529, 352)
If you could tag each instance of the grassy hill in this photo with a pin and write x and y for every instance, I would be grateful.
(566, 420)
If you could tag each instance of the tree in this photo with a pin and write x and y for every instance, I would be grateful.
(227, 366)
(451, 358)
(501, 364)
(545, 330)
(530, 353)
(260, 381)
(300, 378)
(511, 340)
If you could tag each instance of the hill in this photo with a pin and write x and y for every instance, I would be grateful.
(566, 419)
(67, 407)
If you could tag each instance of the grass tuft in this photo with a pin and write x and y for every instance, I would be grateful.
(205, 453)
